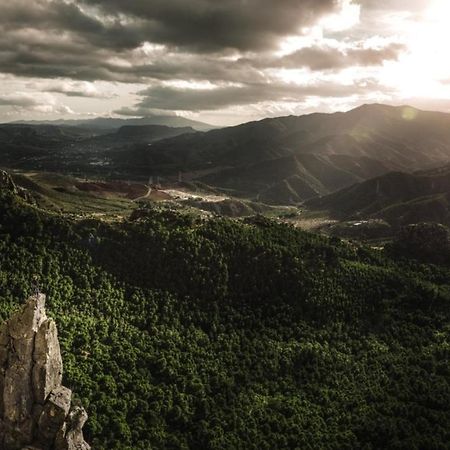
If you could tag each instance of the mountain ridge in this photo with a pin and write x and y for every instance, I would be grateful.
(108, 123)
(398, 197)
(392, 138)
(310, 155)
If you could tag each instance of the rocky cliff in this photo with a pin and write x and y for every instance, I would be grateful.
(36, 411)
(6, 182)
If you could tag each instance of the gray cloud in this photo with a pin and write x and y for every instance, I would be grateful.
(26, 103)
(229, 43)
(78, 93)
(324, 58)
(83, 39)
(211, 25)
(178, 99)
(54, 39)
(79, 89)
(18, 100)
(395, 5)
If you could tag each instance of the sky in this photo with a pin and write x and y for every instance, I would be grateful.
(222, 62)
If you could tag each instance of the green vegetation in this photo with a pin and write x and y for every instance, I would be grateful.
(58, 193)
(428, 242)
(398, 198)
(361, 230)
(183, 332)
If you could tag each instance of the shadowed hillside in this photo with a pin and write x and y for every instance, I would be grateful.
(279, 160)
(399, 198)
(289, 159)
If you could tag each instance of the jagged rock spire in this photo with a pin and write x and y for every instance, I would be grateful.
(6, 182)
(35, 409)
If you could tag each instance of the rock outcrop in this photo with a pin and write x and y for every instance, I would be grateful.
(6, 182)
(36, 411)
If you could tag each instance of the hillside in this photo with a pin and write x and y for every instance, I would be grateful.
(283, 160)
(180, 331)
(68, 149)
(291, 179)
(290, 159)
(115, 199)
(109, 145)
(399, 198)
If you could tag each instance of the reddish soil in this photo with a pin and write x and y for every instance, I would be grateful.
(118, 188)
(156, 195)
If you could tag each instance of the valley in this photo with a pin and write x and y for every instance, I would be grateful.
(177, 328)
(224, 225)
(328, 172)
(279, 161)
(231, 288)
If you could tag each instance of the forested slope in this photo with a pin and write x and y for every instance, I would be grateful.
(181, 332)
(399, 198)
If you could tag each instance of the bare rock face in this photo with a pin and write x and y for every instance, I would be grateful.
(35, 409)
(6, 182)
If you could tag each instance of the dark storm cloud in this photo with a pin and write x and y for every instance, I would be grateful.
(78, 40)
(212, 25)
(325, 58)
(171, 98)
(75, 93)
(78, 91)
(227, 42)
(200, 25)
(250, 70)
(52, 16)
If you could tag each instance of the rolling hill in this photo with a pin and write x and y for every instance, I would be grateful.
(294, 158)
(63, 148)
(284, 160)
(397, 197)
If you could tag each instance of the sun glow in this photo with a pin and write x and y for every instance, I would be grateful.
(425, 70)
(347, 17)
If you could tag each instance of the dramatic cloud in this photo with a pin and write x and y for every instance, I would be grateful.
(40, 104)
(325, 58)
(78, 89)
(211, 25)
(18, 100)
(135, 57)
(91, 39)
(189, 99)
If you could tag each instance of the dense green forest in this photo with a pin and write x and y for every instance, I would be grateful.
(181, 332)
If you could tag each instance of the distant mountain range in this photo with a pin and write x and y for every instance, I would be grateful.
(290, 159)
(111, 123)
(278, 160)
